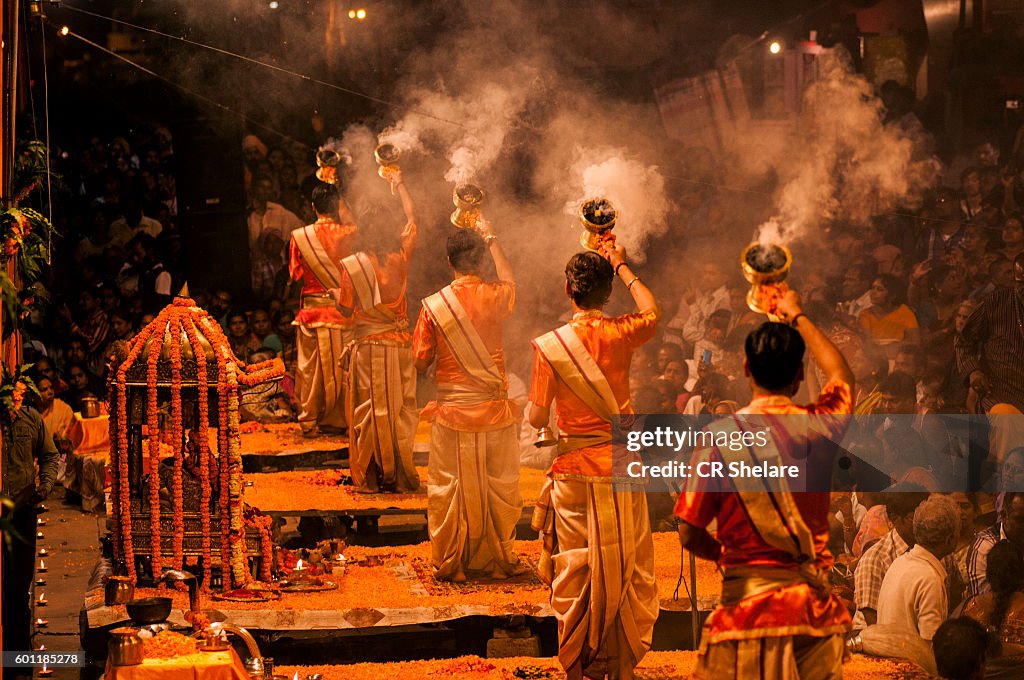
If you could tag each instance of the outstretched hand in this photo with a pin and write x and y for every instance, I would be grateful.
(613, 252)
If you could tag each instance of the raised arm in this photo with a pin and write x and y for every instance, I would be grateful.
(501, 264)
(398, 185)
(828, 357)
(642, 295)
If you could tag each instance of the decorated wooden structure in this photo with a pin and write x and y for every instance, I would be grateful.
(177, 496)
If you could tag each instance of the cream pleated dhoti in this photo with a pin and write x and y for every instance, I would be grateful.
(319, 388)
(473, 500)
(382, 417)
(601, 571)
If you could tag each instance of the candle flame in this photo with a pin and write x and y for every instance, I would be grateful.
(298, 565)
(42, 564)
(295, 677)
(42, 596)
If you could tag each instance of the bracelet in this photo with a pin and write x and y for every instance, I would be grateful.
(490, 238)
(621, 264)
(795, 319)
(630, 284)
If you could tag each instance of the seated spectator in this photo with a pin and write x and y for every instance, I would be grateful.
(667, 352)
(913, 592)
(92, 327)
(44, 367)
(259, 321)
(677, 374)
(133, 222)
(80, 385)
(1010, 526)
(888, 320)
(1013, 236)
(855, 289)
(960, 646)
(900, 505)
(286, 332)
(243, 342)
(121, 325)
(1001, 610)
(57, 416)
(154, 281)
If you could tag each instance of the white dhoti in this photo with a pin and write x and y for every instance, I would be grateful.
(382, 417)
(319, 388)
(602, 576)
(473, 500)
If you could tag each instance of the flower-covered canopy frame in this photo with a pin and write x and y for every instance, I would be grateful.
(176, 380)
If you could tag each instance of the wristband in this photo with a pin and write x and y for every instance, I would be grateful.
(796, 318)
(621, 264)
(490, 238)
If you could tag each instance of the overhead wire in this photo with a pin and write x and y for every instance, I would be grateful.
(274, 67)
(378, 100)
(184, 88)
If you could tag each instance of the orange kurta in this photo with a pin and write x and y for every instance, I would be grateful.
(391, 272)
(488, 305)
(337, 240)
(611, 341)
(792, 610)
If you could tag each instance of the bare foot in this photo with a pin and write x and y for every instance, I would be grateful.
(459, 577)
(498, 574)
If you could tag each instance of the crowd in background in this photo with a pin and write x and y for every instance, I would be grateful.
(903, 309)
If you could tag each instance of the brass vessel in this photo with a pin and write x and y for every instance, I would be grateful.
(467, 199)
(118, 590)
(327, 162)
(765, 267)
(597, 215)
(125, 647)
(387, 156)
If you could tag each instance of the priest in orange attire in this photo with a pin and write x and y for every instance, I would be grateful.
(598, 556)
(778, 618)
(379, 370)
(313, 255)
(473, 500)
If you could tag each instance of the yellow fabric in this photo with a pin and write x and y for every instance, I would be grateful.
(198, 666)
(318, 389)
(466, 345)
(603, 589)
(570, 359)
(316, 257)
(364, 280)
(382, 416)
(773, 658)
(473, 500)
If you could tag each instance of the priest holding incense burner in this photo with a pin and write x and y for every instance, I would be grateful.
(598, 555)
(473, 500)
(379, 371)
(778, 617)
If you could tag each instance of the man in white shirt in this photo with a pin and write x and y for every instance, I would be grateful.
(133, 222)
(913, 594)
(714, 295)
(268, 216)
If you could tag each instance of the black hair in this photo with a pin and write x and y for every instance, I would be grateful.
(960, 646)
(899, 385)
(232, 313)
(280, 314)
(896, 288)
(380, 229)
(1005, 573)
(143, 239)
(590, 279)
(325, 199)
(775, 353)
(465, 250)
(901, 500)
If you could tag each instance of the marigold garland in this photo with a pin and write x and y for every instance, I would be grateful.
(153, 440)
(205, 492)
(177, 432)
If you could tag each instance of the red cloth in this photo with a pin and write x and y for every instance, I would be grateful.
(611, 341)
(488, 305)
(337, 240)
(778, 612)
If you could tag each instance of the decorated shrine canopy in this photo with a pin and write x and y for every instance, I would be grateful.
(177, 374)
